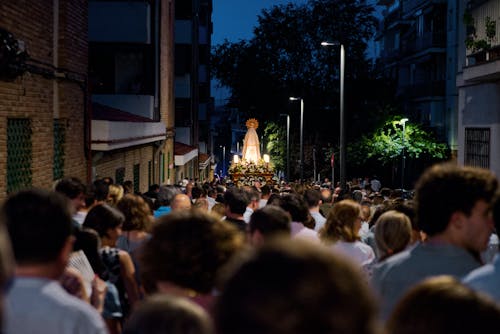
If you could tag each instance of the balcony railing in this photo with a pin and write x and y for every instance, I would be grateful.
(433, 88)
(426, 41)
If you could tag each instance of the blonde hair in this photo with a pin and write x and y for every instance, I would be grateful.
(340, 222)
(392, 233)
(115, 194)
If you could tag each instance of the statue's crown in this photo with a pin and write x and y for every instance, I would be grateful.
(252, 123)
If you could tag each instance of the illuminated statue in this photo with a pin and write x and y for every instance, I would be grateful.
(251, 147)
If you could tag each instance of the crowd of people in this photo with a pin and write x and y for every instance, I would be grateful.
(206, 258)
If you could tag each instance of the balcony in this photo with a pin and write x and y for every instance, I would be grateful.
(483, 65)
(425, 42)
(114, 129)
(428, 89)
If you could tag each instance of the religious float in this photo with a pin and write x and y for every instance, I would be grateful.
(251, 167)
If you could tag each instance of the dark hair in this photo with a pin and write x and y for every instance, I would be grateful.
(71, 187)
(443, 305)
(446, 188)
(168, 314)
(103, 217)
(295, 205)
(197, 192)
(292, 287)
(312, 197)
(88, 241)
(496, 211)
(274, 199)
(187, 248)
(270, 220)
(39, 223)
(101, 190)
(237, 200)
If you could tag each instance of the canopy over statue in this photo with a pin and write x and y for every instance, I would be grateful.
(251, 146)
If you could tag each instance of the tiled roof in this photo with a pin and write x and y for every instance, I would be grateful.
(106, 113)
(182, 149)
(202, 157)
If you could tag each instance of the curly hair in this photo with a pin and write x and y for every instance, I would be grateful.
(137, 213)
(188, 248)
(340, 221)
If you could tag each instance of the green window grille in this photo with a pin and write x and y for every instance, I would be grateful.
(59, 140)
(120, 175)
(137, 177)
(150, 173)
(19, 154)
(162, 167)
(169, 158)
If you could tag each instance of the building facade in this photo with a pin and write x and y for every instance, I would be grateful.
(478, 82)
(418, 51)
(44, 114)
(131, 84)
(193, 102)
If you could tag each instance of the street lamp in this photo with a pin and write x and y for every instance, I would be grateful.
(287, 146)
(342, 128)
(223, 159)
(301, 154)
(403, 158)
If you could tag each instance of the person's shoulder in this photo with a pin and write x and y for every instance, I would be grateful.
(488, 272)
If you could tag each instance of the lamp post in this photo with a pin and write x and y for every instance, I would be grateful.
(301, 154)
(342, 128)
(287, 146)
(223, 159)
(403, 158)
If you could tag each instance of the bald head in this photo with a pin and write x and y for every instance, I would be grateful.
(181, 202)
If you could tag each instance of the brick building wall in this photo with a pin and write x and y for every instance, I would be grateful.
(127, 158)
(43, 98)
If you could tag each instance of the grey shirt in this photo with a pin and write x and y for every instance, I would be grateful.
(35, 305)
(393, 277)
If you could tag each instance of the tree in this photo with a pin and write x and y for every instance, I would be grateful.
(385, 145)
(276, 144)
(285, 58)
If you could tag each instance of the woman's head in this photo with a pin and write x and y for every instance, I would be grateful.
(392, 233)
(137, 213)
(103, 218)
(343, 222)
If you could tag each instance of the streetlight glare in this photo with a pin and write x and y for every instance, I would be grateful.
(403, 121)
(292, 98)
(325, 43)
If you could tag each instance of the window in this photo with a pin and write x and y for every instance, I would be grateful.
(120, 175)
(137, 177)
(19, 154)
(477, 147)
(59, 140)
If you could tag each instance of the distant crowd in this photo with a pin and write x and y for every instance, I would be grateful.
(292, 258)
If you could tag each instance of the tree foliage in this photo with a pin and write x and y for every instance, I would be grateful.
(386, 144)
(284, 58)
(276, 144)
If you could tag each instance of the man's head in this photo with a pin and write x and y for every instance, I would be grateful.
(454, 199)
(181, 202)
(295, 205)
(74, 190)
(236, 201)
(312, 198)
(187, 248)
(39, 226)
(166, 194)
(295, 287)
(267, 222)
